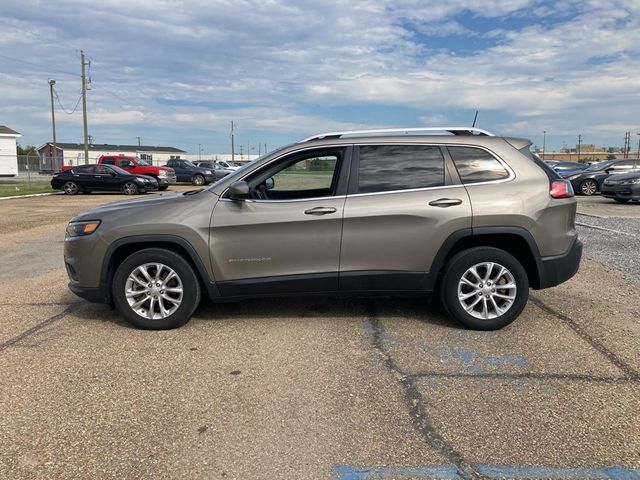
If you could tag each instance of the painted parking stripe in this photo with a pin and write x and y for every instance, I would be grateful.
(450, 472)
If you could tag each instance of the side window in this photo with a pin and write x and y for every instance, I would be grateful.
(124, 163)
(384, 168)
(476, 165)
(298, 176)
(622, 166)
(84, 169)
(100, 170)
(109, 161)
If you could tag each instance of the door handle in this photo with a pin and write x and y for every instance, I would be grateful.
(320, 211)
(445, 202)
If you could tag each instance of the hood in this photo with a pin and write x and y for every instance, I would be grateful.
(624, 176)
(161, 201)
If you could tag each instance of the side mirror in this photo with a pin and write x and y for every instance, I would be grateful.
(270, 183)
(238, 190)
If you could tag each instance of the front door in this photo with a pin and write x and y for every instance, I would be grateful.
(403, 204)
(285, 236)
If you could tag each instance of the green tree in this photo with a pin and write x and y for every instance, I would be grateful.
(26, 150)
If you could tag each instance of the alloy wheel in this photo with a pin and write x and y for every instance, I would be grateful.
(198, 180)
(70, 188)
(129, 188)
(589, 187)
(154, 291)
(487, 290)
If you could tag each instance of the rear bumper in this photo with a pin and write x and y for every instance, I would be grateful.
(560, 268)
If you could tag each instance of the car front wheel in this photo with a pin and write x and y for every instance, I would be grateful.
(589, 187)
(484, 288)
(198, 180)
(156, 289)
(70, 188)
(129, 188)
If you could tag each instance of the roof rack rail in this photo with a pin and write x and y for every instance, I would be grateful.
(453, 130)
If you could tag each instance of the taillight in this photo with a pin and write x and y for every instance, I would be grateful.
(561, 189)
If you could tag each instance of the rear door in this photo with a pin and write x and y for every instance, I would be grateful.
(403, 203)
(285, 237)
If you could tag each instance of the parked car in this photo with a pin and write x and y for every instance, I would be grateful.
(137, 166)
(227, 165)
(475, 218)
(590, 180)
(622, 187)
(92, 178)
(186, 171)
(218, 170)
(566, 169)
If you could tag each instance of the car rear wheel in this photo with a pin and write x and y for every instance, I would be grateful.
(484, 288)
(70, 188)
(129, 188)
(163, 188)
(198, 180)
(589, 187)
(156, 289)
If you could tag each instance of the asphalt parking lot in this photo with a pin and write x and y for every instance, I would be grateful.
(312, 388)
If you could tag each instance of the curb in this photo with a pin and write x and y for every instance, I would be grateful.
(30, 195)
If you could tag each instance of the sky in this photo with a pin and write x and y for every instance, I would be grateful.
(175, 73)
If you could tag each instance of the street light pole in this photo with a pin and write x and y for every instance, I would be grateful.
(544, 142)
(52, 82)
(638, 146)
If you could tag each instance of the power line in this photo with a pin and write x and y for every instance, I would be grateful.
(49, 70)
(60, 103)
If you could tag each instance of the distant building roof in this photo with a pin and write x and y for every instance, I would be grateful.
(7, 131)
(119, 148)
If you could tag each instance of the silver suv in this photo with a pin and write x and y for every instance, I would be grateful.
(458, 211)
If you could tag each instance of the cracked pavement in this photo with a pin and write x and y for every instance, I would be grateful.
(316, 387)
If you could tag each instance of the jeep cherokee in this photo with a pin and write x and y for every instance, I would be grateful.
(458, 211)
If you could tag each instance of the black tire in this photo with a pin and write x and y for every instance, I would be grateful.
(198, 180)
(190, 285)
(588, 187)
(163, 188)
(70, 188)
(129, 188)
(621, 200)
(460, 264)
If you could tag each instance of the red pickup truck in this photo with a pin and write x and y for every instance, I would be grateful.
(137, 166)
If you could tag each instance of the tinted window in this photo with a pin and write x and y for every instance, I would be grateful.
(399, 167)
(100, 170)
(476, 165)
(85, 169)
(109, 160)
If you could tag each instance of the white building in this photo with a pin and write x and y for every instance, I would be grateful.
(73, 153)
(8, 152)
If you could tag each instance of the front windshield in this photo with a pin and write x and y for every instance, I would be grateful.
(598, 166)
(190, 163)
(145, 163)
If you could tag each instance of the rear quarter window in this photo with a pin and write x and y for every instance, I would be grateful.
(475, 165)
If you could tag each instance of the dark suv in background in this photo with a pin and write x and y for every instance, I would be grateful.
(471, 216)
(186, 171)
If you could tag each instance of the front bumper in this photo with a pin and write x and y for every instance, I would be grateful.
(555, 270)
(94, 295)
(210, 178)
(628, 192)
(166, 181)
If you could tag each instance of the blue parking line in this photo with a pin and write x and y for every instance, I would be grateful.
(515, 472)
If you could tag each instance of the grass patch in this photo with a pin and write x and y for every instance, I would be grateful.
(11, 189)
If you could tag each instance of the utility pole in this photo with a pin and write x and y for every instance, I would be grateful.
(232, 144)
(260, 148)
(240, 153)
(84, 109)
(248, 149)
(579, 143)
(544, 142)
(199, 151)
(54, 165)
(627, 144)
(139, 139)
(638, 157)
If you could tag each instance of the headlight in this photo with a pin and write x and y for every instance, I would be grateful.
(80, 229)
(163, 173)
(208, 172)
(632, 182)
